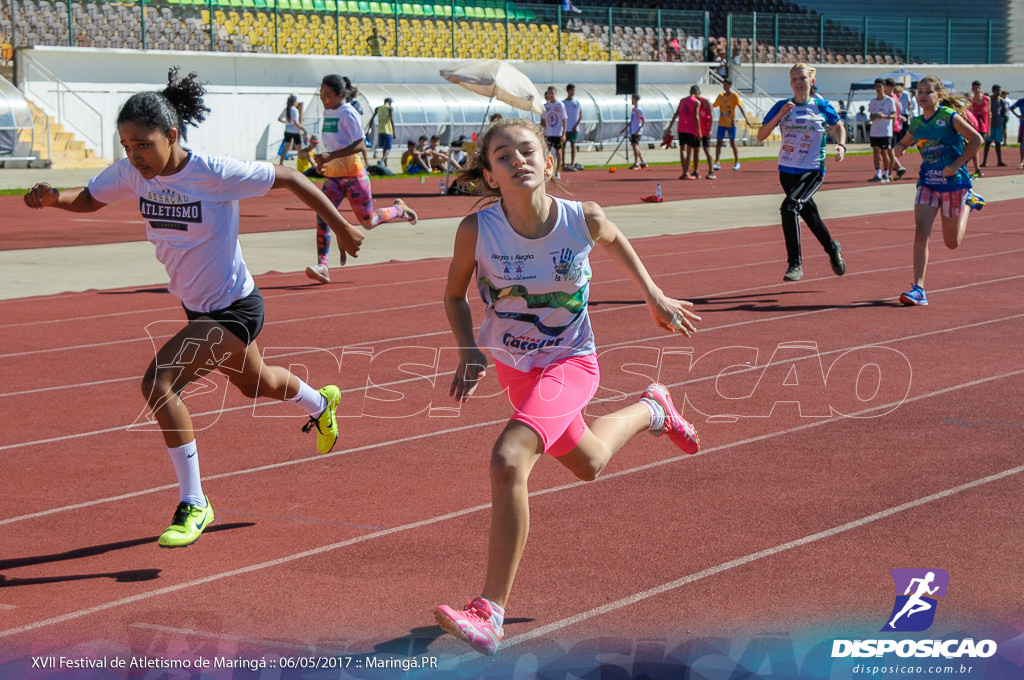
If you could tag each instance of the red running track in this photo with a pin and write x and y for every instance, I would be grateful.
(906, 455)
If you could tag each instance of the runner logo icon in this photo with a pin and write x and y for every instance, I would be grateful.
(917, 591)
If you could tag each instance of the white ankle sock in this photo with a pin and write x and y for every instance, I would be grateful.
(657, 415)
(186, 465)
(310, 400)
(497, 615)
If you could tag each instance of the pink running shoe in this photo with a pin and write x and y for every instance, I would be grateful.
(677, 428)
(473, 624)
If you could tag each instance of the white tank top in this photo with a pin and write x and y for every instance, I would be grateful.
(536, 290)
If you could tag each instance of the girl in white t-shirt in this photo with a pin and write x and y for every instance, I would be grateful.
(342, 164)
(529, 256)
(190, 204)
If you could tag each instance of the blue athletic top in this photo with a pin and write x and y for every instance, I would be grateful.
(940, 144)
(803, 134)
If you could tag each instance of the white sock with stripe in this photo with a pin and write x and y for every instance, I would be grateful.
(309, 400)
(186, 465)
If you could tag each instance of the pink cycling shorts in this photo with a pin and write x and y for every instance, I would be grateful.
(949, 203)
(550, 399)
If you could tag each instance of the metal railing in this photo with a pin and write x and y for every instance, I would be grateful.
(56, 99)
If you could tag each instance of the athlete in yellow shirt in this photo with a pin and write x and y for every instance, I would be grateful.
(727, 103)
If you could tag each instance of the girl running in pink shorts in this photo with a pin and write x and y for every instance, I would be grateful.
(946, 142)
(529, 255)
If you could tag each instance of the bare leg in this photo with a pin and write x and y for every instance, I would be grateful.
(924, 215)
(515, 453)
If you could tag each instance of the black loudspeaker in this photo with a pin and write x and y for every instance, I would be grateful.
(625, 79)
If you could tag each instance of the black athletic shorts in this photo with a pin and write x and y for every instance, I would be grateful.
(242, 318)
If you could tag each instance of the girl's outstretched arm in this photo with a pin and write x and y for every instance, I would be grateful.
(78, 199)
(289, 178)
(472, 362)
(664, 310)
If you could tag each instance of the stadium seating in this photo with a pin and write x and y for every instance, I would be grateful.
(482, 28)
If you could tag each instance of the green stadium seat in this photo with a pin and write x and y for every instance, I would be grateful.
(319, 5)
(405, 8)
(442, 11)
(460, 12)
(417, 10)
(249, 4)
(499, 12)
(331, 6)
(387, 8)
(375, 8)
(307, 6)
(364, 7)
(428, 10)
(351, 6)
(489, 13)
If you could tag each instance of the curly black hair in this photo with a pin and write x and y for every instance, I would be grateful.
(179, 105)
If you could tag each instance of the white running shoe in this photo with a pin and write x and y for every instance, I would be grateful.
(410, 214)
(319, 273)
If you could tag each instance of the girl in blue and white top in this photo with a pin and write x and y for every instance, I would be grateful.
(189, 202)
(803, 121)
(529, 255)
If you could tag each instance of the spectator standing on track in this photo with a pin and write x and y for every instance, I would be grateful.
(861, 121)
(705, 118)
(803, 122)
(1018, 110)
(979, 106)
(555, 119)
(946, 143)
(727, 103)
(384, 115)
(190, 204)
(688, 130)
(635, 128)
(293, 130)
(996, 127)
(881, 111)
(897, 169)
(537, 329)
(574, 116)
(342, 164)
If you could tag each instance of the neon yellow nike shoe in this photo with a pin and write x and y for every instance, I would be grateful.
(186, 525)
(326, 424)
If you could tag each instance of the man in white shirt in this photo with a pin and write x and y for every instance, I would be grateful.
(555, 119)
(574, 115)
(881, 112)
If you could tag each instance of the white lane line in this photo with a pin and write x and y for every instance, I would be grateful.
(582, 617)
(661, 337)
